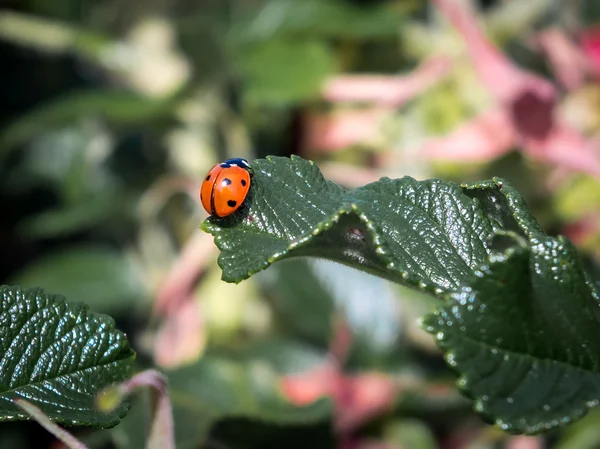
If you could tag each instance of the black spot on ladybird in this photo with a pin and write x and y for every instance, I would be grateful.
(231, 203)
(208, 178)
(226, 182)
(244, 182)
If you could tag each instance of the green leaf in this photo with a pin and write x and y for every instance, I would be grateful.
(420, 233)
(322, 18)
(583, 434)
(520, 317)
(58, 356)
(102, 278)
(281, 71)
(577, 197)
(411, 433)
(524, 336)
(502, 204)
(71, 158)
(96, 210)
(56, 36)
(132, 432)
(308, 295)
(244, 384)
(302, 303)
(117, 107)
(375, 324)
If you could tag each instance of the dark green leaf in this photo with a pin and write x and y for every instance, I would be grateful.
(102, 278)
(58, 356)
(96, 210)
(523, 333)
(522, 320)
(421, 233)
(504, 206)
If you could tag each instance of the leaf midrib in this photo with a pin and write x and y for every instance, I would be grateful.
(50, 379)
(521, 354)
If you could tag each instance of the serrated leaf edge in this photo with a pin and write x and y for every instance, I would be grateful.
(515, 202)
(463, 383)
(110, 326)
(323, 226)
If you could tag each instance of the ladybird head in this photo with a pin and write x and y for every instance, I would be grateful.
(236, 161)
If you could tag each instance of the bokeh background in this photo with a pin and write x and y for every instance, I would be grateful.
(112, 111)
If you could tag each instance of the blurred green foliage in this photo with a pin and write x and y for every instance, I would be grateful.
(112, 111)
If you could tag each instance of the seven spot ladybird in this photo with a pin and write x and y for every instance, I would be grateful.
(225, 187)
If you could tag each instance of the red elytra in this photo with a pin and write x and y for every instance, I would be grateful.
(225, 187)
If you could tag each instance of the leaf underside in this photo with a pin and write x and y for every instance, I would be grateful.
(520, 318)
(57, 356)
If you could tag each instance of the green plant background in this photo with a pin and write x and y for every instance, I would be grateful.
(111, 112)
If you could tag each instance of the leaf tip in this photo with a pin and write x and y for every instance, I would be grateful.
(499, 181)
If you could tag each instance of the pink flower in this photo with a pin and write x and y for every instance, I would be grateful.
(590, 43)
(528, 100)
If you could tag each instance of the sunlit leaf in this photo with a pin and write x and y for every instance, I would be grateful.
(58, 356)
(519, 316)
(428, 233)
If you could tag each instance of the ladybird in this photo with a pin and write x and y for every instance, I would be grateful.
(225, 187)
